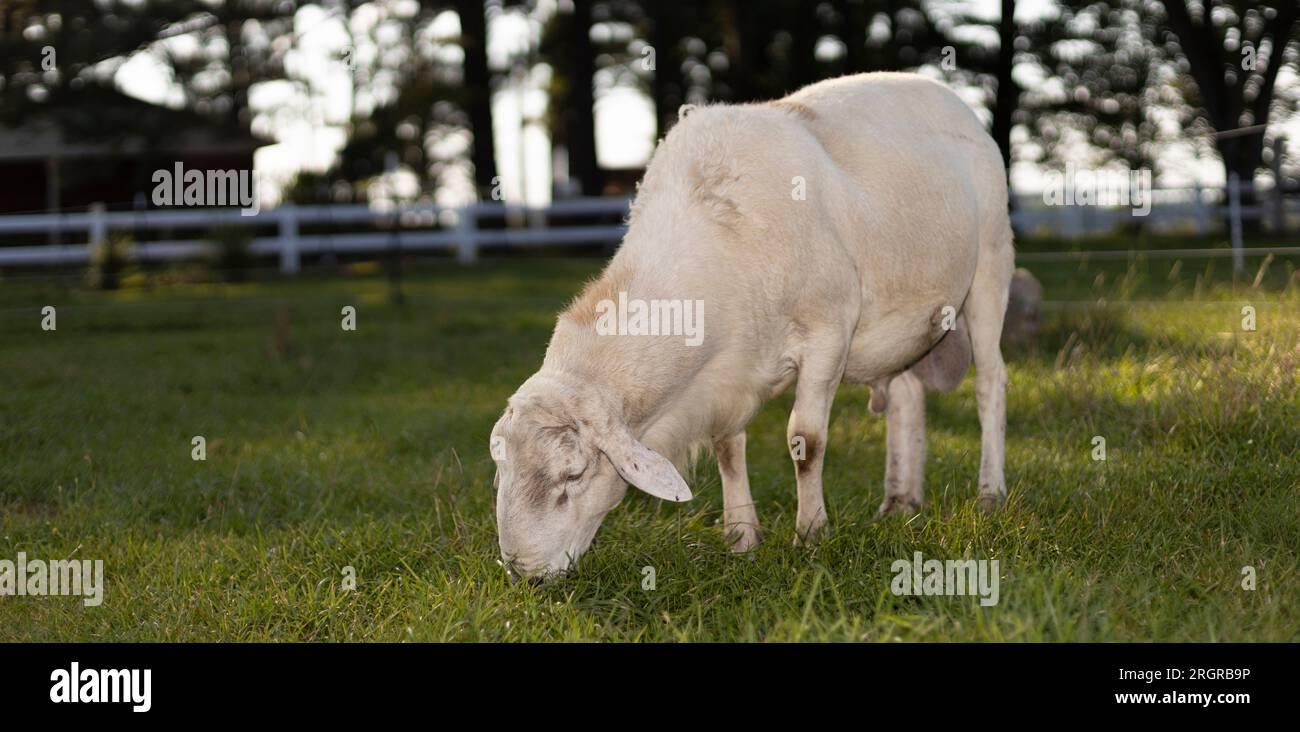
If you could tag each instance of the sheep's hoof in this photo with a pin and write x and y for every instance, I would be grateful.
(898, 506)
(811, 534)
(990, 503)
(743, 539)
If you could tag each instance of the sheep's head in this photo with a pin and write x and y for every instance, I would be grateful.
(563, 461)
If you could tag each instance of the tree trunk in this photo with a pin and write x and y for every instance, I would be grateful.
(580, 106)
(803, 31)
(478, 94)
(1242, 155)
(1008, 93)
(853, 33)
(240, 116)
(743, 47)
(666, 87)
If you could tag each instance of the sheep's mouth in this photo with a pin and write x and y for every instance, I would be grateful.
(516, 575)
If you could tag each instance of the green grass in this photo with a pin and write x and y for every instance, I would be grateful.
(368, 449)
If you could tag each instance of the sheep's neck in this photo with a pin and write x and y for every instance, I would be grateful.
(643, 377)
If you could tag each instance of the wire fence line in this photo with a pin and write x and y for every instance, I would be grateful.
(290, 232)
(1112, 254)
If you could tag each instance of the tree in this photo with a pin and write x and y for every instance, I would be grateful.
(1104, 82)
(852, 31)
(60, 55)
(415, 103)
(666, 87)
(244, 63)
(569, 48)
(792, 44)
(971, 58)
(51, 52)
(1233, 52)
(477, 93)
(1008, 91)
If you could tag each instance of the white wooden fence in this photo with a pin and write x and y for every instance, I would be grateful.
(372, 229)
(1193, 211)
(414, 228)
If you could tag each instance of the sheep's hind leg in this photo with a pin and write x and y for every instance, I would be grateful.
(904, 446)
(986, 306)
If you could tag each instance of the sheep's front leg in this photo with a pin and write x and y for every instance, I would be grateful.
(806, 437)
(739, 519)
(904, 445)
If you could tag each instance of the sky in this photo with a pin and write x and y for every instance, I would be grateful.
(308, 116)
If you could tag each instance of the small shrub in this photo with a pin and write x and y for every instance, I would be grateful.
(232, 259)
(109, 261)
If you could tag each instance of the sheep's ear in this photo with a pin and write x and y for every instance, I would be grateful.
(643, 467)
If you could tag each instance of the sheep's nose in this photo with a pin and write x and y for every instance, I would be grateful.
(511, 572)
(516, 575)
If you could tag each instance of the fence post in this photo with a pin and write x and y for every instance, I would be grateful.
(1234, 213)
(1072, 224)
(466, 240)
(52, 202)
(289, 261)
(98, 231)
(1201, 212)
(1279, 195)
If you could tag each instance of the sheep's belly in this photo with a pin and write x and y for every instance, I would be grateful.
(885, 345)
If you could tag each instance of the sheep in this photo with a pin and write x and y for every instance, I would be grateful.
(836, 235)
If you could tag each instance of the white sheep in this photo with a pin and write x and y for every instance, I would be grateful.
(835, 235)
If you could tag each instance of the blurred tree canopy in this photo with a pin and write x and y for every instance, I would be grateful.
(1131, 75)
(1102, 82)
(1119, 79)
(55, 54)
(1233, 53)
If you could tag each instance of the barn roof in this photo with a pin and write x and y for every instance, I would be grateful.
(108, 123)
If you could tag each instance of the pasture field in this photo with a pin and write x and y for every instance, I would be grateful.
(368, 449)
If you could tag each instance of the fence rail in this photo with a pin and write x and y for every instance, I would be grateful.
(404, 228)
(425, 227)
